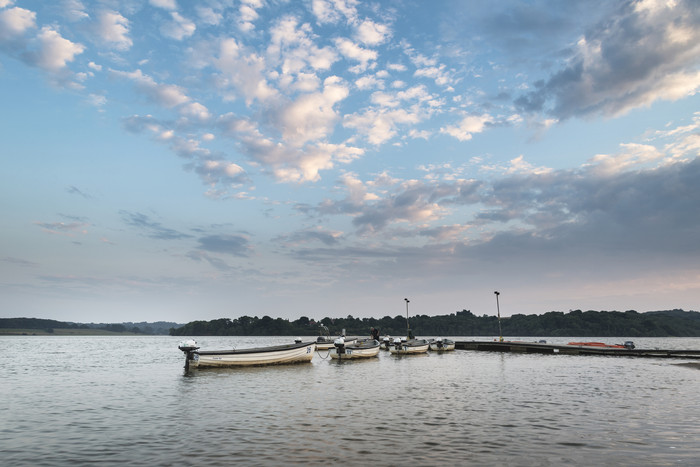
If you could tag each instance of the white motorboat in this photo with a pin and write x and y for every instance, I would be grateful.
(326, 343)
(409, 346)
(441, 345)
(273, 355)
(360, 348)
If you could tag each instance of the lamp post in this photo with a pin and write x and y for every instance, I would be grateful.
(408, 328)
(498, 308)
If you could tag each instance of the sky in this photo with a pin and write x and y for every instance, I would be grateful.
(178, 161)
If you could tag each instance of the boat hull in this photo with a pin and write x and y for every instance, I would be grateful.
(417, 346)
(360, 349)
(276, 355)
(444, 346)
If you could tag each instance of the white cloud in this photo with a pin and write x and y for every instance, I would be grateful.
(15, 21)
(208, 15)
(292, 45)
(113, 29)
(331, 11)
(354, 52)
(324, 12)
(632, 155)
(55, 51)
(195, 110)
(437, 73)
(396, 67)
(372, 33)
(214, 172)
(164, 4)
(246, 15)
(179, 28)
(286, 163)
(467, 127)
(311, 117)
(74, 10)
(246, 73)
(520, 166)
(369, 82)
(380, 126)
(167, 95)
(305, 82)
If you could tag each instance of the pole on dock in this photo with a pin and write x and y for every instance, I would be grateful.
(498, 308)
(408, 328)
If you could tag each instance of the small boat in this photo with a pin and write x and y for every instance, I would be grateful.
(409, 347)
(273, 355)
(327, 343)
(360, 348)
(629, 345)
(441, 345)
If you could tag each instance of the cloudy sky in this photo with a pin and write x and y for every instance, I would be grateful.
(176, 160)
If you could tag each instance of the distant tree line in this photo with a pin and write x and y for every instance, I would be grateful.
(670, 323)
(49, 325)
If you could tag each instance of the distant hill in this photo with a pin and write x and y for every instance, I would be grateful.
(668, 323)
(50, 326)
(665, 323)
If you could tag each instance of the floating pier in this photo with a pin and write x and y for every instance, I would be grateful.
(544, 348)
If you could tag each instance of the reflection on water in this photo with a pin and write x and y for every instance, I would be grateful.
(114, 400)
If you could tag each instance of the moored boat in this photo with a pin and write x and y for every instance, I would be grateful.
(272, 355)
(627, 345)
(409, 346)
(327, 343)
(441, 345)
(360, 348)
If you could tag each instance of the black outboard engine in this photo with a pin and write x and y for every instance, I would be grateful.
(386, 343)
(397, 344)
(190, 348)
(629, 345)
(439, 344)
(339, 344)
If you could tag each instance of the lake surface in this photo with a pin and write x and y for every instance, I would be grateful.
(126, 400)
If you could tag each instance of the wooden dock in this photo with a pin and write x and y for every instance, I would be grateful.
(543, 348)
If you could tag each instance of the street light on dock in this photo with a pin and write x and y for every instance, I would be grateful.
(498, 308)
(408, 328)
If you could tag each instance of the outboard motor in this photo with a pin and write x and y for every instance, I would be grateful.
(190, 348)
(397, 343)
(439, 344)
(339, 344)
(297, 340)
(629, 345)
(386, 343)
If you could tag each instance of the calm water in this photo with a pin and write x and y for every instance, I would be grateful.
(126, 400)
